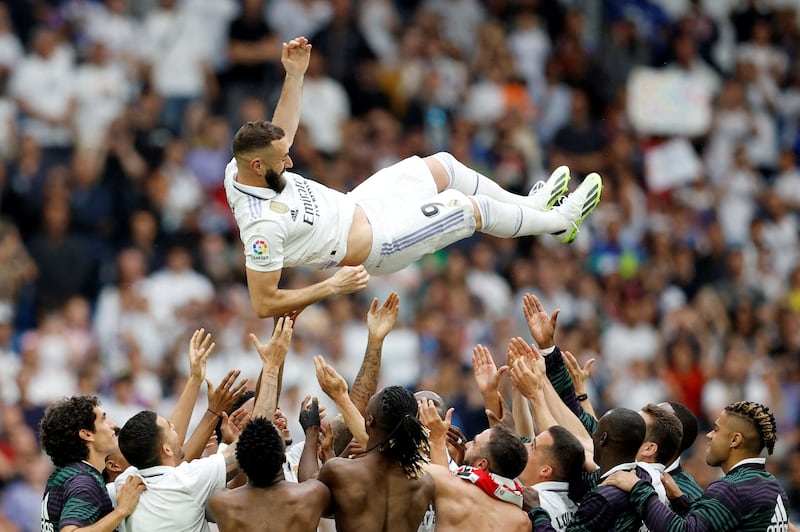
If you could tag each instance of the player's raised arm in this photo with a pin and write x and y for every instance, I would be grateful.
(294, 57)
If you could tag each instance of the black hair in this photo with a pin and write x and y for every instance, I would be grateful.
(242, 399)
(254, 136)
(567, 456)
(140, 440)
(688, 422)
(762, 420)
(625, 430)
(260, 451)
(407, 438)
(507, 454)
(61, 425)
(664, 430)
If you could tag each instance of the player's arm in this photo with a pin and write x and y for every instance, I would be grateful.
(268, 300)
(294, 57)
(380, 322)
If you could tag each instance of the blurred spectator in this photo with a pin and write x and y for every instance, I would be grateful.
(180, 68)
(53, 248)
(579, 144)
(293, 18)
(253, 52)
(342, 44)
(101, 91)
(44, 87)
(325, 107)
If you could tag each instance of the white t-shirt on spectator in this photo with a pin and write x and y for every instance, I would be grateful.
(176, 51)
(47, 86)
(101, 92)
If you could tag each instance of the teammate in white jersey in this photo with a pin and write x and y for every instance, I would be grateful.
(555, 462)
(393, 218)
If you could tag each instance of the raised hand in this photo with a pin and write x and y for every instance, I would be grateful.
(329, 380)
(487, 375)
(295, 56)
(274, 353)
(579, 374)
(325, 451)
(518, 348)
(456, 444)
(350, 279)
(429, 417)
(223, 397)
(381, 320)
(528, 380)
(542, 326)
(309, 414)
(200, 348)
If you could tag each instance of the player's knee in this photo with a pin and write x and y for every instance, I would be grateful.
(441, 168)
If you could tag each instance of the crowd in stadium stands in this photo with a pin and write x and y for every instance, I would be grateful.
(117, 242)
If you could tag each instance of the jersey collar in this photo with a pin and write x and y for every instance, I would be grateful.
(263, 193)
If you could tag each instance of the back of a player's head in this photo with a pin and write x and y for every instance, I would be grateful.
(663, 429)
(61, 425)
(761, 420)
(438, 402)
(254, 136)
(260, 451)
(405, 438)
(242, 399)
(506, 453)
(567, 455)
(621, 430)
(341, 434)
(140, 440)
(688, 423)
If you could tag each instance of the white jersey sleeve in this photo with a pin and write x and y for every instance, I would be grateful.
(263, 246)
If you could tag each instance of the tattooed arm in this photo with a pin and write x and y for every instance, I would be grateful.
(379, 323)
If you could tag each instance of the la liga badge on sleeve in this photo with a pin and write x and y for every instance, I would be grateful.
(258, 247)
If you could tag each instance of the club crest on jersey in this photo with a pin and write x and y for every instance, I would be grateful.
(259, 249)
(277, 206)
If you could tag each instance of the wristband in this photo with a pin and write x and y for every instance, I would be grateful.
(218, 415)
(583, 397)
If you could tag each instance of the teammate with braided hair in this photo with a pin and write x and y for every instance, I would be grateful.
(746, 498)
(385, 488)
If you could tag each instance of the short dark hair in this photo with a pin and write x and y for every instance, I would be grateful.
(140, 440)
(625, 430)
(567, 453)
(665, 431)
(254, 136)
(688, 422)
(260, 451)
(507, 454)
(341, 434)
(568, 457)
(242, 399)
(61, 425)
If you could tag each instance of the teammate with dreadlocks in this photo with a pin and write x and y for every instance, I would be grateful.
(746, 498)
(386, 488)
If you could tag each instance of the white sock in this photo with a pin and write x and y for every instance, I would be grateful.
(508, 221)
(472, 183)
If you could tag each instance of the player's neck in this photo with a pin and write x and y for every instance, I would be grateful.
(245, 176)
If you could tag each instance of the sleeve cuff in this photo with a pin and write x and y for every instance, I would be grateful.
(641, 491)
(547, 350)
(538, 515)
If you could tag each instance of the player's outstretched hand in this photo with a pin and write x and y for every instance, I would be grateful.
(295, 56)
(350, 279)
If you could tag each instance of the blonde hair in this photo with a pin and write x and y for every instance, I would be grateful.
(760, 416)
